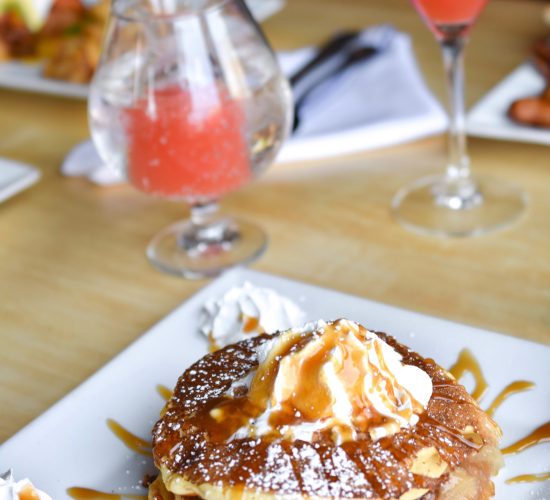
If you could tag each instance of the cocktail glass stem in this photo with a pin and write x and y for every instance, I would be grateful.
(207, 232)
(206, 243)
(456, 203)
(458, 190)
(453, 59)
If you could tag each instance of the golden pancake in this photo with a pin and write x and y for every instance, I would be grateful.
(450, 453)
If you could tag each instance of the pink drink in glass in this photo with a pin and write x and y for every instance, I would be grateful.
(450, 19)
(188, 145)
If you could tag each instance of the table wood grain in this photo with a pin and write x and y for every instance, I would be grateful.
(75, 287)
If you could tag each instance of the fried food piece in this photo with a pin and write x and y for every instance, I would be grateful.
(63, 17)
(4, 51)
(75, 58)
(535, 111)
(15, 38)
(72, 40)
(531, 111)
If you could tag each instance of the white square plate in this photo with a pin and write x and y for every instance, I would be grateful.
(488, 118)
(15, 177)
(70, 444)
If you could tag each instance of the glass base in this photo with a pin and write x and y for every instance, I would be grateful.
(433, 206)
(183, 249)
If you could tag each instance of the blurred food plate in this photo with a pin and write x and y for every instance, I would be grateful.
(488, 118)
(15, 177)
(28, 76)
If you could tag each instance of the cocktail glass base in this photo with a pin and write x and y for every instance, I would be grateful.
(195, 252)
(436, 207)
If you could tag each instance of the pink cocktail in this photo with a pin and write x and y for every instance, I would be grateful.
(188, 146)
(444, 15)
(188, 101)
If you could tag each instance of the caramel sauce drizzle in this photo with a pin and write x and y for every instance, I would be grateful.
(164, 391)
(513, 388)
(135, 443)
(229, 414)
(311, 399)
(251, 324)
(539, 435)
(529, 478)
(309, 402)
(466, 362)
(308, 399)
(89, 494)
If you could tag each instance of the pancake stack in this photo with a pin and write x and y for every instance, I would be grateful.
(451, 451)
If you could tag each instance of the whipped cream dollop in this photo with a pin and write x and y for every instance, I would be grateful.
(246, 311)
(337, 378)
(19, 490)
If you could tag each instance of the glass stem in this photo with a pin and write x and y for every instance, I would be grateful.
(458, 167)
(203, 213)
(208, 233)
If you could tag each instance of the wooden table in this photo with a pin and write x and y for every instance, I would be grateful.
(75, 287)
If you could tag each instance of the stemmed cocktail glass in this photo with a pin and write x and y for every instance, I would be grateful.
(189, 102)
(456, 203)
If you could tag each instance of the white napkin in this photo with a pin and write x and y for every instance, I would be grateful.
(376, 103)
(84, 160)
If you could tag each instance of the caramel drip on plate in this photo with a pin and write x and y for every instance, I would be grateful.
(539, 435)
(89, 494)
(512, 388)
(529, 478)
(132, 441)
(466, 362)
(164, 391)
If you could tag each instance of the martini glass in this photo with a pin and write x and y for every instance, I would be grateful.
(456, 203)
(188, 101)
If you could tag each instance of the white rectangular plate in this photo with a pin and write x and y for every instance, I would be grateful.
(15, 177)
(28, 77)
(70, 444)
(488, 118)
